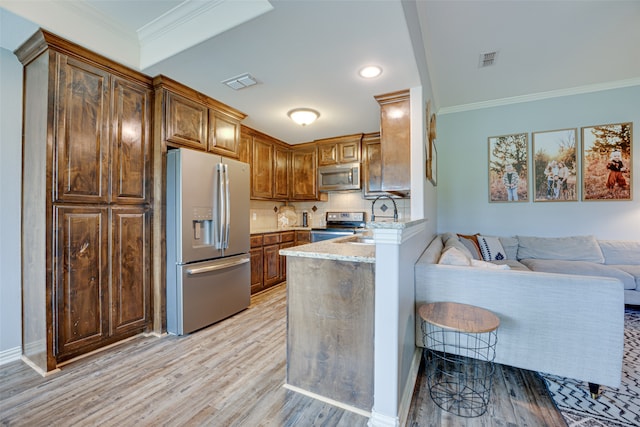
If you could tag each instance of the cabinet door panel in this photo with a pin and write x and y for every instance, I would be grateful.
(303, 171)
(281, 174)
(82, 165)
(372, 169)
(130, 276)
(256, 269)
(81, 277)
(262, 169)
(186, 122)
(327, 154)
(349, 152)
(131, 144)
(224, 135)
(271, 265)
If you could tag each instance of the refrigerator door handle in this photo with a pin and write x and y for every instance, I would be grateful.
(227, 205)
(220, 266)
(220, 209)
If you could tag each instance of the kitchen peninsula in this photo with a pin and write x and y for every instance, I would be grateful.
(330, 320)
(332, 309)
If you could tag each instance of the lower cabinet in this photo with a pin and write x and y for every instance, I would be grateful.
(101, 286)
(268, 268)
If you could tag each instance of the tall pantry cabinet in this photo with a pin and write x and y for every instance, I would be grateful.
(86, 204)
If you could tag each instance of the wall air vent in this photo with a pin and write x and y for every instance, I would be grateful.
(487, 59)
(241, 81)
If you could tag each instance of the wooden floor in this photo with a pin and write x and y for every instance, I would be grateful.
(230, 374)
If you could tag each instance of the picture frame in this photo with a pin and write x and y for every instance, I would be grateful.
(508, 168)
(434, 165)
(430, 151)
(427, 141)
(607, 170)
(555, 165)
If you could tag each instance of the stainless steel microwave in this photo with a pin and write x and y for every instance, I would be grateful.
(339, 177)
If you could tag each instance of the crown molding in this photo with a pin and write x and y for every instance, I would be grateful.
(540, 96)
(192, 22)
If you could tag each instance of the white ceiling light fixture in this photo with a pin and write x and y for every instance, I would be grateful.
(241, 81)
(303, 116)
(370, 72)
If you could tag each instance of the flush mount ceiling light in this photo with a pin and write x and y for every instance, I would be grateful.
(303, 116)
(241, 81)
(370, 72)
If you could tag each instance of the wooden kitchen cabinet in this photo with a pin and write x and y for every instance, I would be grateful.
(395, 141)
(256, 263)
(271, 259)
(262, 173)
(268, 267)
(303, 237)
(192, 119)
(304, 171)
(224, 134)
(185, 121)
(87, 176)
(281, 173)
(342, 149)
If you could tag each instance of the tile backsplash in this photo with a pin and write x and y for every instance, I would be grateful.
(264, 214)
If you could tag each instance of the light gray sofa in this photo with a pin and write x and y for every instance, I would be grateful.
(570, 325)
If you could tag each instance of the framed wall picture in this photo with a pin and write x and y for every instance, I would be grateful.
(508, 168)
(606, 162)
(427, 141)
(431, 152)
(555, 165)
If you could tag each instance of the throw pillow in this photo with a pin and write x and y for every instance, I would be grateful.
(491, 248)
(471, 243)
(454, 256)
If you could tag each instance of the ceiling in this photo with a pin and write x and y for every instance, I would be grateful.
(307, 53)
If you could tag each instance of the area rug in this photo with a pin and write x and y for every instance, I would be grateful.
(616, 407)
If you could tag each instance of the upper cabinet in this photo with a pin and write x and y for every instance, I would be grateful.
(343, 149)
(304, 167)
(185, 122)
(192, 119)
(395, 142)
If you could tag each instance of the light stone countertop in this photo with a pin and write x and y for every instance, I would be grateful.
(277, 230)
(336, 249)
(399, 225)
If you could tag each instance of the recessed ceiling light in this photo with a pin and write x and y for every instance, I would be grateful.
(370, 72)
(303, 116)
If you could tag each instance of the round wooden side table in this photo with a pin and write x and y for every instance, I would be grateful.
(460, 343)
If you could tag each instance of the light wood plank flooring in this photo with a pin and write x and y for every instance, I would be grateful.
(230, 374)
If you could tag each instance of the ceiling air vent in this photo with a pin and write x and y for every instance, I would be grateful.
(241, 81)
(487, 59)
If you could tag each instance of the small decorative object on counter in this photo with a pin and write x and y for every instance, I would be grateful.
(305, 219)
(287, 217)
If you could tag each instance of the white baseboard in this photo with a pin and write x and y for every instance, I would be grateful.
(328, 400)
(10, 355)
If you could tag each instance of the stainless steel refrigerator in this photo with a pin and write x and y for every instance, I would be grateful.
(208, 261)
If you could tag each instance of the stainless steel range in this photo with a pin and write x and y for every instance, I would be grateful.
(339, 224)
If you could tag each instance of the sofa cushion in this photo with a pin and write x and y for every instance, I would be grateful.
(574, 248)
(510, 245)
(470, 241)
(633, 270)
(618, 252)
(486, 264)
(582, 268)
(491, 248)
(454, 256)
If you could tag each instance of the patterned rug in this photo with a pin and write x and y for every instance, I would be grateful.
(616, 407)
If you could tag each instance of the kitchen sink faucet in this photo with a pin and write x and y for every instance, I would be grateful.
(395, 208)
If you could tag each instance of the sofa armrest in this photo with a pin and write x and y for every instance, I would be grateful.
(560, 324)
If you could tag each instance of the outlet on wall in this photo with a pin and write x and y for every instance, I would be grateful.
(255, 216)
